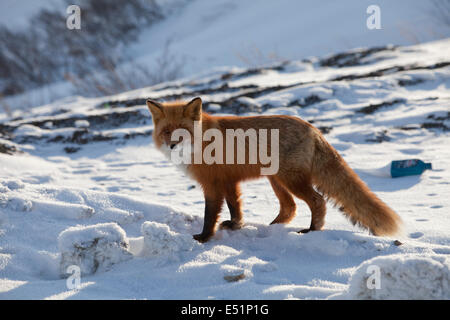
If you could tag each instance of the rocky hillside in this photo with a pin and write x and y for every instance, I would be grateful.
(365, 85)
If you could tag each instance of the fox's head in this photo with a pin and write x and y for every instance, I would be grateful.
(167, 117)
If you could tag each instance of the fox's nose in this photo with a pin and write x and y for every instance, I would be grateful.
(172, 145)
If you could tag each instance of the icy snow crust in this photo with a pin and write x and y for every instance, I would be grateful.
(403, 277)
(92, 248)
(82, 183)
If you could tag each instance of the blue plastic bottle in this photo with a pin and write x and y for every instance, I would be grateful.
(401, 168)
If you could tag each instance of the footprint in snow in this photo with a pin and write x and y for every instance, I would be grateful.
(416, 235)
(103, 178)
(82, 165)
(411, 151)
(82, 171)
(166, 194)
(441, 250)
(117, 169)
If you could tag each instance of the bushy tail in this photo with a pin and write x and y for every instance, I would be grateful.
(336, 180)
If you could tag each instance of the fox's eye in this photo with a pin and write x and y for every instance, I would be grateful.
(166, 132)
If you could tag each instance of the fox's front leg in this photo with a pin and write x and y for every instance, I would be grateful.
(234, 203)
(213, 206)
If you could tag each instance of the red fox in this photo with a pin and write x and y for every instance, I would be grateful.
(306, 163)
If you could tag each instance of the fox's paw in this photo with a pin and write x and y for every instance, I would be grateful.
(309, 229)
(202, 238)
(231, 225)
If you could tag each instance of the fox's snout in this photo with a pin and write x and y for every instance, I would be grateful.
(170, 141)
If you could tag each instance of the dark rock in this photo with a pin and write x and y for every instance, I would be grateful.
(374, 107)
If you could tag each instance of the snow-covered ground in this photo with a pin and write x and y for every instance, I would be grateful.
(81, 183)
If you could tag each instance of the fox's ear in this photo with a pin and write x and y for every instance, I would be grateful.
(193, 109)
(156, 109)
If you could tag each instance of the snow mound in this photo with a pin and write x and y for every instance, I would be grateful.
(160, 239)
(15, 203)
(13, 184)
(409, 277)
(93, 248)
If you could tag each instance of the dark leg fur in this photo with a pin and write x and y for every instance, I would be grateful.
(213, 206)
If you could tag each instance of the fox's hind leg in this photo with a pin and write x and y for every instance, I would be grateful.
(287, 203)
(302, 188)
(234, 203)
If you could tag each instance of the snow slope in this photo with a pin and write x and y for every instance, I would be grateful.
(249, 33)
(206, 34)
(80, 178)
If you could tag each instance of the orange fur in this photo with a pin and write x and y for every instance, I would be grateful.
(306, 161)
